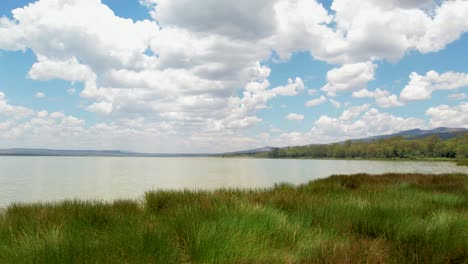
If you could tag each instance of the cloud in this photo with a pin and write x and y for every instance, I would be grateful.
(363, 93)
(354, 124)
(446, 26)
(12, 111)
(449, 116)
(355, 32)
(28, 128)
(40, 95)
(421, 87)
(383, 98)
(56, 115)
(100, 108)
(42, 114)
(233, 18)
(350, 33)
(291, 139)
(70, 70)
(61, 30)
(349, 77)
(315, 102)
(291, 89)
(297, 30)
(353, 112)
(294, 117)
(415, 25)
(210, 56)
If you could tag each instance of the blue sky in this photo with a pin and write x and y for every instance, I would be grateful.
(209, 76)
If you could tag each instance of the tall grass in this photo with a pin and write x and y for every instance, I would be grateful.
(391, 218)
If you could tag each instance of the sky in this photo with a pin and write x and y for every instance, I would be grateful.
(204, 76)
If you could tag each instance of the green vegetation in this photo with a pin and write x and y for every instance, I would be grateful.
(431, 147)
(392, 218)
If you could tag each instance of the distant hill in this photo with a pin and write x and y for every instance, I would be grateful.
(90, 153)
(53, 152)
(442, 132)
(250, 151)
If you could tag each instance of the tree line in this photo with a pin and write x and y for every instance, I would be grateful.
(391, 148)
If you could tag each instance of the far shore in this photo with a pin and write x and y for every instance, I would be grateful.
(460, 162)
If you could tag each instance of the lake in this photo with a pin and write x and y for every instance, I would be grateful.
(31, 179)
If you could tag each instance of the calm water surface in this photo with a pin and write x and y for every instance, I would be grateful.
(30, 179)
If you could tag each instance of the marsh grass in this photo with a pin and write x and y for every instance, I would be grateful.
(391, 218)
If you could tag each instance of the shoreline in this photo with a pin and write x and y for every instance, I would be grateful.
(357, 159)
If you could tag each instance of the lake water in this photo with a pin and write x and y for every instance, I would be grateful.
(30, 179)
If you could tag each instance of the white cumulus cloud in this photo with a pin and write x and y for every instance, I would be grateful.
(449, 116)
(12, 111)
(383, 98)
(40, 95)
(421, 87)
(291, 89)
(294, 117)
(349, 77)
(315, 102)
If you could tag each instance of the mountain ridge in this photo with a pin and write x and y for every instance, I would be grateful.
(442, 132)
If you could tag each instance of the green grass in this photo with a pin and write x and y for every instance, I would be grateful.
(391, 218)
(462, 162)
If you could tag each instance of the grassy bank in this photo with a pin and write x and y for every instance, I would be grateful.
(392, 218)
